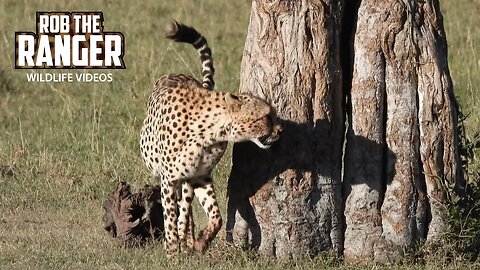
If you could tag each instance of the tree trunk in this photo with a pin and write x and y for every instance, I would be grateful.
(401, 143)
(401, 155)
(287, 201)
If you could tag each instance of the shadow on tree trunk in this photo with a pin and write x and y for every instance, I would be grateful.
(276, 194)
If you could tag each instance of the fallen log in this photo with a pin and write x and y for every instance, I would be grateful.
(134, 218)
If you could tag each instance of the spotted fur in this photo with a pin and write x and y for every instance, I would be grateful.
(184, 135)
(181, 33)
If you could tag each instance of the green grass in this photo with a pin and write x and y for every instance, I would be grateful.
(463, 36)
(64, 146)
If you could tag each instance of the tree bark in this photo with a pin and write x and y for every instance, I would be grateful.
(287, 201)
(401, 157)
(402, 100)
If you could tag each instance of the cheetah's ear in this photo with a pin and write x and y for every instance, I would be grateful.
(233, 102)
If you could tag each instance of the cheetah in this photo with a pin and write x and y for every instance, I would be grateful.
(184, 135)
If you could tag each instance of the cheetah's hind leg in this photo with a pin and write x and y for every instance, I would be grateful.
(185, 217)
(169, 204)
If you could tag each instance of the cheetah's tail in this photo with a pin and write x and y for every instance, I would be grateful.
(182, 33)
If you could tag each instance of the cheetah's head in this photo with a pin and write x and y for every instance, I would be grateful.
(252, 119)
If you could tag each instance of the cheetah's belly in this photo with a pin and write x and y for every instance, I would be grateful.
(210, 158)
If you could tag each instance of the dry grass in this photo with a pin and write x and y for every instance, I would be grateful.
(63, 147)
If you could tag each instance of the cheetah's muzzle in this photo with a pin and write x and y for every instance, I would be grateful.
(266, 141)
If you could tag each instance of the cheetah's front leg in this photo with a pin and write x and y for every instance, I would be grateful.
(169, 204)
(206, 195)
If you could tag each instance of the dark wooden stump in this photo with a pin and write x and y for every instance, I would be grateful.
(134, 217)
